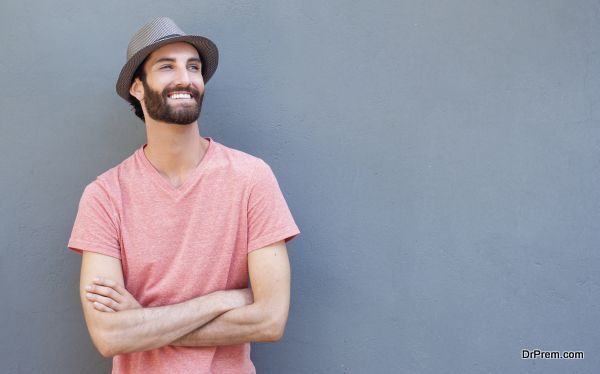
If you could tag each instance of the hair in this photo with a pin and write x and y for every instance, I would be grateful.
(135, 103)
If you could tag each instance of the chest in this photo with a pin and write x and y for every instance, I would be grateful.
(173, 250)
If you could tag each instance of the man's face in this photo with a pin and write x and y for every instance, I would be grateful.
(174, 88)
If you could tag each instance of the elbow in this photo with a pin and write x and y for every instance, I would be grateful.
(276, 335)
(273, 319)
(102, 345)
(109, 348)
(105, 346)
(105, 351)
(105, 342)
(275, 330)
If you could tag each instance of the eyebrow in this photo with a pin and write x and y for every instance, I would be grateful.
(171, 59)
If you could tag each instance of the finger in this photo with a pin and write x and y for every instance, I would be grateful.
(102, 307)
(106, 301)
(114, 285)
(105, 291)
(109, 283)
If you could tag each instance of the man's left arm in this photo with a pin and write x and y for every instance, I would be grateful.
(262, 321)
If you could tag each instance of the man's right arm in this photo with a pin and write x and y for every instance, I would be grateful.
(143, 329)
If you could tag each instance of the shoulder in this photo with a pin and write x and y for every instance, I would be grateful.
(240, 162)
(127, 166)
(108, 184)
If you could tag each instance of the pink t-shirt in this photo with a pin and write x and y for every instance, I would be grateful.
(176, 244)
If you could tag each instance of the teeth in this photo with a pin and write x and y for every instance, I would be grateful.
(180, 96)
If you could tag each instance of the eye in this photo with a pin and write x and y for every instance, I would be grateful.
(165, 67)
(194, 67)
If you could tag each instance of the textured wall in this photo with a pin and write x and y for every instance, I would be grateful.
(441, 159)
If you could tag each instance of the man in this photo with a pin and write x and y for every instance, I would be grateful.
(170, 236)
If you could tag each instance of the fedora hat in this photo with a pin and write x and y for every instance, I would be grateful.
(154, 35)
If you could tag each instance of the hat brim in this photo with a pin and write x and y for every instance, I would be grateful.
(209, 54)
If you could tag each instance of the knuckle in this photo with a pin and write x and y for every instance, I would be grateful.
(115, 295)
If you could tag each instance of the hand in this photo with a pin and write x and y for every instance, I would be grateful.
(109, 296)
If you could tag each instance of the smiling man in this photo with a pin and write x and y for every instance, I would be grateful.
(170, 236)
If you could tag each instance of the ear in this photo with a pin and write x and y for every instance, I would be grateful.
(137, 89)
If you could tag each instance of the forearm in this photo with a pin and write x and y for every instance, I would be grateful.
(250, 323)
(143, 329)
(262, 321)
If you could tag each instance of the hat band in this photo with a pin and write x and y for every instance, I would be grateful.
(168, 36)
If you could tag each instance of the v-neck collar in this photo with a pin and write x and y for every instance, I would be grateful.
(190, 180)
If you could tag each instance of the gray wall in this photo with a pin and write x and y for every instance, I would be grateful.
(441, 159)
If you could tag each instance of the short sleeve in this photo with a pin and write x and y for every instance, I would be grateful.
(96, 228)
(269, 218)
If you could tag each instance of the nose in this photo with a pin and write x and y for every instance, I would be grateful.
(182, 76)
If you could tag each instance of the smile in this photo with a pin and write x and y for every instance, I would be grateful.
(177, 96)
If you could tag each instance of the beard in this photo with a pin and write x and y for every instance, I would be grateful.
(159, 108)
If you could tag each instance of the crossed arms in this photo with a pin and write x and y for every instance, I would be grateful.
(220, 318)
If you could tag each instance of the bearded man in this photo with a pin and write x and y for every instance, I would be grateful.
(171, 236)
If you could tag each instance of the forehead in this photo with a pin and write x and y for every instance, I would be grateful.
(178, 50)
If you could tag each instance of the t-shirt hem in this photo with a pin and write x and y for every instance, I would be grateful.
(78, 246)
(288, 234)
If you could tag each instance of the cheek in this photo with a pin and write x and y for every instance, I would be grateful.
(199, 83)
(201, 88)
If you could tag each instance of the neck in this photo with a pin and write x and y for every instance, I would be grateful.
(174, 150)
